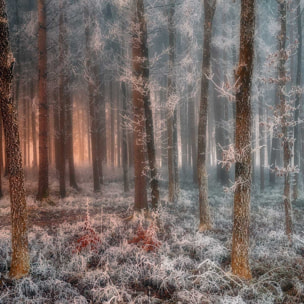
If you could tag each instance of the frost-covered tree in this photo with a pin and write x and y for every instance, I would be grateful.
(20, 264)
(43, 182)
(205, 220)
(139, 92)
(243, 75)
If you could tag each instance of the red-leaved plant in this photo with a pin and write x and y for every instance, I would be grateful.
(146, 239)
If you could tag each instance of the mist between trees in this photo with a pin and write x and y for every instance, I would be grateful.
(159, 96)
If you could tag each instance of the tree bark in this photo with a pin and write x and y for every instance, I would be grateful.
(125, 139)
(297, 102)
(62, 100)
(138, 94)
(172, 113)
(20, 265)
(70, 142)
(43, 182)
(148, 116)
(93, 109)
(287, 144)
(205, 220)
(33, 122)
(243, 75)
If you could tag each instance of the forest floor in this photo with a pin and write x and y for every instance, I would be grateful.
(83, 250)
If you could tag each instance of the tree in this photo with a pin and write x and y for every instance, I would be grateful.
(284, 114)
(243, 75)
(149, 117)
(20, 265)
(172, 112)
(43, 182)
(297, 102)
(138, 97)
(92, 71)
(205, 220)
(62, 99)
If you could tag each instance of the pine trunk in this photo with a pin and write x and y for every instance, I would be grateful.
(287, 145)
(241, 214)
(20, 255)
(205, 220)
(70, 142)
(43, 182)
(172, 114)
(297, 102)
(125, 139)
(62, 100)
(139, 24)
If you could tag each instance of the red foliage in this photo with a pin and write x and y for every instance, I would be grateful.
(145, 238)
(89, 240)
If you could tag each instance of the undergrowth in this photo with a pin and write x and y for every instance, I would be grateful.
(106, 259)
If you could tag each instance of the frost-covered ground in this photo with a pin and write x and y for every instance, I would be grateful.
(83, 250)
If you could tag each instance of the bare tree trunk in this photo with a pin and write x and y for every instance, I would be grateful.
(112, 125)
(262, 144)
(287, 144)
(172, 112)
(20, 265)
(43, 182)
(33, 120)
(139, 27)
(297, 102)
(93, 109)
(149, 117)
(205, 220)
(243, 75)
(1, 155)
(125, 139)
(69, 142)
(62, 100)
(192, 129)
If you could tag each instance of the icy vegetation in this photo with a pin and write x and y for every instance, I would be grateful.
(84, 250)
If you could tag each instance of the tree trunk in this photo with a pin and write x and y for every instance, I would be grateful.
(1, 155)
(172, 112)
(69, 141)
(20, 256)
(297, 102)
(33, 122)
(125, 139)
(243, 75)
(43, 182)
(139, 28)
(205, 220)
(287, 144)
(62, 100)
(149, 117)
(93, 109)
(262, 144)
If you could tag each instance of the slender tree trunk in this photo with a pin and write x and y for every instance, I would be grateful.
(149, 118)
(112, 125)
(262, 144)
(192, 129)
(20, 255)
(62, 100)
(172, 112)
(1, 155)
(287, 145)
(241, 214)
(92, 103)
(43, 179)
(139, 28)
(125, 139)
(297, 102)
(205, 220)
(70, 142)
